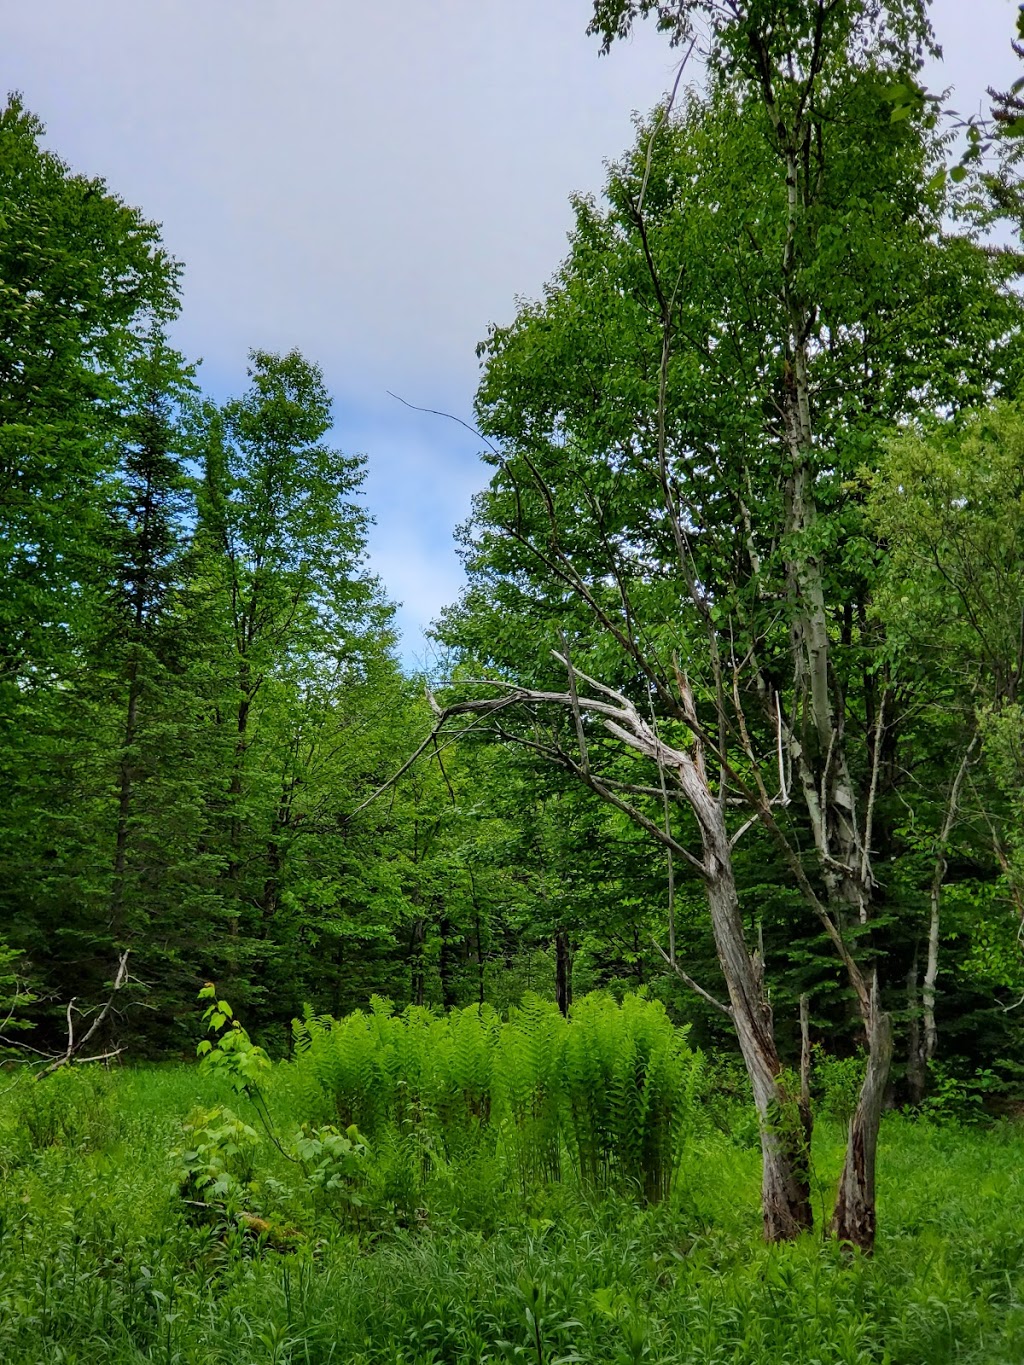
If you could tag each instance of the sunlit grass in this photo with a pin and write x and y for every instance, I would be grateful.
(100, 1261)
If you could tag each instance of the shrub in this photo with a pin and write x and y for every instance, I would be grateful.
(218, 1164)
(69, 1108)
(630, 1083)
(837, 1082)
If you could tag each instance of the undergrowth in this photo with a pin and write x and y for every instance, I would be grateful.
(611, 1092)
(434, 1239)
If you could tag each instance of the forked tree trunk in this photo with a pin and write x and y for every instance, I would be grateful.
(818, 749)
(853, 1221)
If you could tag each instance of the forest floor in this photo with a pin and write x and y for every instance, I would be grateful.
(103, 1260)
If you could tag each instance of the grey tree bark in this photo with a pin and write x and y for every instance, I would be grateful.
(785, 1186)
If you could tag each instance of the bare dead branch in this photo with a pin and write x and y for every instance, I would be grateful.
(694, 985)
(73, 1046)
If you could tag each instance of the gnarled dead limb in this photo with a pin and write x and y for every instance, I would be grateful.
(76, 1046)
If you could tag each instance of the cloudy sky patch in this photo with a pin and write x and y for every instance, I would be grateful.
(373, 184)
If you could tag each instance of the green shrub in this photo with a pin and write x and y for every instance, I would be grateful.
(344, 1068)
(217, 1165)
(98, 1261)
(69, 1108)
(837, 1083)
(630, 1085)
(529, 1090)
(956, 1099)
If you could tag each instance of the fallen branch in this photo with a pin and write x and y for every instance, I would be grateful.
(75, 1046)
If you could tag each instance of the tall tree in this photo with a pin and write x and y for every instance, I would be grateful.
(85, 280)
(948, 501)
(138, 632)
(678, 426)
(292, 617)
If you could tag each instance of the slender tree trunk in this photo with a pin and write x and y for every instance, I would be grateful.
(126, 775)
(417, 983)
(915, 1052)
(930, 1041)
(339, 964)
(785, 1171)
(446, 964)
(126, 782)
(479, 958)
(563, 972)
(277, 845)
(806, 1117)
(785, 1183)
(819, 750)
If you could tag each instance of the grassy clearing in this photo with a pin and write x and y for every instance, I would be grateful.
(445, 1256)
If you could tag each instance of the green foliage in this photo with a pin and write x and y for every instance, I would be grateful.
(956, 1099)
(837, 1082)
(613, 1088)
(630, 1087)
(334, 1163)
(219, 1162)
(200, 697)
(14, 997)
(100, 1260)
(231, 1054)
(70, 1108)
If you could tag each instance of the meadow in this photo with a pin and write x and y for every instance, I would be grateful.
(419, 1189)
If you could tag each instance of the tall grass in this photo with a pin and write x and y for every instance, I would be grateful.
(99, 1263)
(477, 1238)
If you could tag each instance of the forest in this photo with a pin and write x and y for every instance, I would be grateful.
(645, 982)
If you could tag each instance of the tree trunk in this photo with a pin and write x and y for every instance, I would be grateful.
(930, 1042)
(418, 985)
(446, 964)
(480, 958)
(124, 807)
(785, 1182)
(844, 850)
(915, 1052)
(853, 1221)
(563, 972)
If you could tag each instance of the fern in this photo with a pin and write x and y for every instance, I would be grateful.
(613, 1089)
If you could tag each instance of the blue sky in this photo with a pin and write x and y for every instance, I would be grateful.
(374, 185)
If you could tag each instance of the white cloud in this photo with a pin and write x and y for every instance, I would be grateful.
(371, 183)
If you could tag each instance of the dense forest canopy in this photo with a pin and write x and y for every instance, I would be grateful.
(734, 710)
